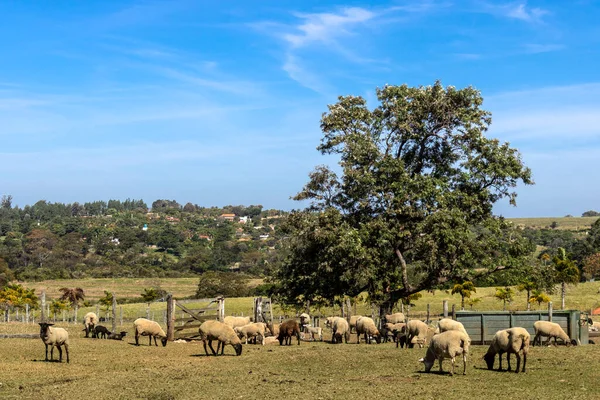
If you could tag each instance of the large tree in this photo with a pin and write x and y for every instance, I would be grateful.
(410, 206)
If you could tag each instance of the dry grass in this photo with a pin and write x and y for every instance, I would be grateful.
(564, 223)
(119, 370)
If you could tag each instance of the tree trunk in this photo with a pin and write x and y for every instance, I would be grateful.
(462, 303)
(528, 303)
(563, 293)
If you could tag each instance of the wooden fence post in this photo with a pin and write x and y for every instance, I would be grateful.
(550, 311)
(445, 306)
(170, 318)
(27, 313)
(114, 313)
(43, 316)
(428, 313)
(454, 311)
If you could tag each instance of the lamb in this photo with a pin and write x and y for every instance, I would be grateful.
(447, 324)
(314, 330)
(236, 321)
(100, 332)
(340, 328)
(216, 330)
(366, 326)
(395, 318)
(551, 330)
(513, 340)
(54, 337)
(416, 331)
(251, 330)
(145, 327)
(89, 321)
(447, 344)
(287, 329)
(117, 336)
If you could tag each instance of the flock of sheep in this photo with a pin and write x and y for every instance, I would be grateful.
(448, 341)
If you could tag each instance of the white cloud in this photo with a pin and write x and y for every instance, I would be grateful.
(518, 11)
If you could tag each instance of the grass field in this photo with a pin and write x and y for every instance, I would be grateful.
(564, 223)
(107, 369)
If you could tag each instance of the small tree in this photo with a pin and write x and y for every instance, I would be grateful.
(464, 290)
(73, 296)
(107, 300)
(566, 272)
(57, 306)
(527, 286)
(591, 266)
(537, 296)
(505, 295)
(473, 301)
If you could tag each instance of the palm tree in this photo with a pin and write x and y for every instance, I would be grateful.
(473, 301)
(465, 290)
(566, 272)
(504, 295)
(539, 297)
(527, 286)
(72, 296)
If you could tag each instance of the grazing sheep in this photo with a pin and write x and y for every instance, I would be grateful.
(145, 327)
(314, 330)
(287, 329)
(252, 330)
(100, 332)
(513, 340)
(550, 330)
(54, 337)
(89, 321)
(236, 321)
(416, 332)
(366, 326)
(339, 328)
(273, 329)
(117, 336)
(447, 344)
(352, 322)
(447, 324)
(395, 318)
(216, 330)
(304, 319)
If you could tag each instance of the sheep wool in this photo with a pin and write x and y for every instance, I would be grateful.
(287, 329)
(54, 337)
(90, 320)
(340, 329)
(395, 318)
(366, 326)
(252, 330)
(447, 324)
(447, 344)
(513, 340)
(417, 332)
(145, 327)
(216, 330)
(234, 322)
(550, 330)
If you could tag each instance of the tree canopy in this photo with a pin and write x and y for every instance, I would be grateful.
(410, 206)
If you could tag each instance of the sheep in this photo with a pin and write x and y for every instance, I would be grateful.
(513, 340)
(416, 331)
(447, 344)
(395, 318)
(251, 330)
(273, 329)
(89, 321)
(352, 322)
(54, 337)
(117, 336)
(366, 326)
(287, 329)
(314, 330)
(447, 324)
(145, 327)
(304, 319)
(340, 328)
(236, 321)
(551, 330)
(216, 330)
(100, 332)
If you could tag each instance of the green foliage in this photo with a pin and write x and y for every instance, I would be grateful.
(412, 207)
(505, 295)
(15, 295)
(6, 275)
(539, 297)
(72, 295)
(591, 266)
(152, 294)
(465, 290)
(228, 284)
(472, 301)
(107, 300)
(590, 213)
(57, 306)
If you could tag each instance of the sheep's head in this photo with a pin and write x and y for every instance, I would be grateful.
(123, 333)
(44, 329)
(238, 348)
(163, 341)
(489, 360)
(427, 363)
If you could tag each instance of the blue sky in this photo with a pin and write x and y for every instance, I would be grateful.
(219, 103)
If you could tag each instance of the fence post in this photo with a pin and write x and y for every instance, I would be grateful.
(550, 311)
(114, 314)
(64, 315)
(170, 319)
(454, 311)
(445, 306)
(428, 314)
(75, 315)
(121, 312)
(43, 316)
(27, 313)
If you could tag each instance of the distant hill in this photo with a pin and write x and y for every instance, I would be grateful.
(563, 223)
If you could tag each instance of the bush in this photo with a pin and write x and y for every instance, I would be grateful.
(228, 284)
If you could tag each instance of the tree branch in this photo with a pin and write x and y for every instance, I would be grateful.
(404, 270)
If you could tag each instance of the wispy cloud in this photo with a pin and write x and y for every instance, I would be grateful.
(519, 11)
(535, 48)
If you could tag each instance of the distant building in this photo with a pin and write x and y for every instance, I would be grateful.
(243, 220)
(228, 217)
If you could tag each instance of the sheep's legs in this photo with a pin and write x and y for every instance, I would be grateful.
(524, 361)
(508, 361)
(518, 356)
(205, 349)
(137, 338)
(67, 351)
(211, 348)
(440, 361)
(51, 352)
(46, 352)
(464, 364)
(59, 353)
(499, 361)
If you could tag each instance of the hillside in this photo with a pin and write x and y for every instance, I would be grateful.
(564, 223)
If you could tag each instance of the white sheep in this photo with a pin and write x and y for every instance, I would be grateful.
(273, 329)
(236, 321)
(251, 330)
(216, 330)
(395, 318)
(447, 344)
(352, 322)
(340, 329)
(89, 321)
(304, 319)
(366, 326)
(54, 337)
(447, 324)
(314, 330)
(550, 330)
(145, 327)
(513, 340)
(416, 332)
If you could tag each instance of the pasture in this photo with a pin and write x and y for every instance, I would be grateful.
(119, 370)
(564, 223)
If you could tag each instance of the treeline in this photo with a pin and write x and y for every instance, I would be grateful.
(127, 239)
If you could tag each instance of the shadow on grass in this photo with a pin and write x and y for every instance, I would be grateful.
(220, 355)
(48, 361)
